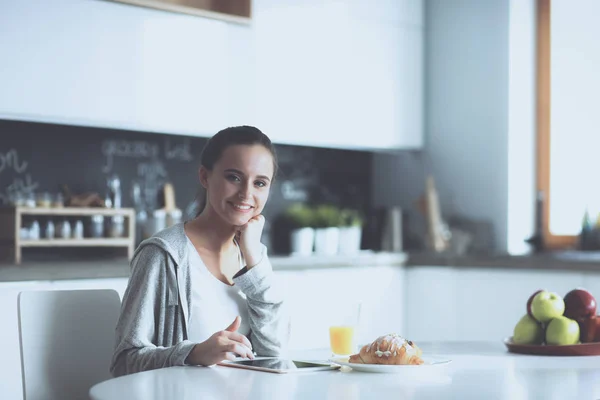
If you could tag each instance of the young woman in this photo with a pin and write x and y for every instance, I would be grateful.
(202, 292)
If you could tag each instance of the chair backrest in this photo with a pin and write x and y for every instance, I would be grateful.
(66, 339)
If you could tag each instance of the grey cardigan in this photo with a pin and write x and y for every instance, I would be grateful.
(152, 328)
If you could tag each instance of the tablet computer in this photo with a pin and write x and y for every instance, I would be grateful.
(280, 365)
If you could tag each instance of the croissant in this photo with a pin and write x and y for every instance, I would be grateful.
(391, 349)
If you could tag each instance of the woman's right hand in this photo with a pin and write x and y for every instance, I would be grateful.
(223, 345)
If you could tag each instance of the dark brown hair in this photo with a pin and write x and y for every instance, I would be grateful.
(236, 135)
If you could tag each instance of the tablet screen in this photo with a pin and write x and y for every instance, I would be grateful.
(277, 363)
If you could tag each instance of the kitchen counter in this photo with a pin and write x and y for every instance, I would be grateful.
(119, 267)
(558, 261)
(38, 270)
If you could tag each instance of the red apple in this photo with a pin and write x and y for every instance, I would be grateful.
(579, 304)
(530, 300)
(590, 329)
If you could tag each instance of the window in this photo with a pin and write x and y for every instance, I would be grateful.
(568, 134)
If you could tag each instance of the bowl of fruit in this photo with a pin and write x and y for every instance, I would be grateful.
(559, 326)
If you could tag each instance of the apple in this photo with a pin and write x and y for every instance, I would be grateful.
(579, 303)
(547, 305)
(562, 331)
(530, 300)
(528, 331)
(589, 328)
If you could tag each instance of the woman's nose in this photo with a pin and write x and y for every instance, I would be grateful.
(245, 192)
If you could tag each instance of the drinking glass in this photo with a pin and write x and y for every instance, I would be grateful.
(343, 329)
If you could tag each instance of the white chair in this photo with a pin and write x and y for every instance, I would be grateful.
(66, 339)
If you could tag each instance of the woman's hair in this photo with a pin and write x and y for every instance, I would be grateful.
(236, 135)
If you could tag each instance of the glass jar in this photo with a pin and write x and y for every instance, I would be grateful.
(65, 230)
(117, 226)
(50, 231)
(58, 201)
(43, 200)
(97, 226)
(78, 230)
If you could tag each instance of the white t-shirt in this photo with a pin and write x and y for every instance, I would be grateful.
(214, 304)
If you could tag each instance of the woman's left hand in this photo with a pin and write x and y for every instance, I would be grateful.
(249, 240)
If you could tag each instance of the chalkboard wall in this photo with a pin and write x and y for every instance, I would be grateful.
(36, 157)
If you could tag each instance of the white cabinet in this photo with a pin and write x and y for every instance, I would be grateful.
(445, 303)
(319, 73)
(151, 70)
(329, 74)
(315, 296)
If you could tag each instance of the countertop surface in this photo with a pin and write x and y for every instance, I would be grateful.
(44, 270)
(568, 260)
(478, 370)
(52, 269)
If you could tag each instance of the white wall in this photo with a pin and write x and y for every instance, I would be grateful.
(467, 107)
(332, 74)
(521, 125)
(479, 118)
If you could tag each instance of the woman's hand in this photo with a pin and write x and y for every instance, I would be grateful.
(249, 240)
(223, 345)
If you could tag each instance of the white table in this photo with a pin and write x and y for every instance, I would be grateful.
(479, 370)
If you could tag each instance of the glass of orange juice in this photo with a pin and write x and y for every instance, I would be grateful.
(343, 330)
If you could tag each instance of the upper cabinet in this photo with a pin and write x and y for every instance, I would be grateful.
(341, 74)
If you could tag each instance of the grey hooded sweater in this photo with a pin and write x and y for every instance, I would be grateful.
(152, 328)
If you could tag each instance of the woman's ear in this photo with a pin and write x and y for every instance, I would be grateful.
(203, 175)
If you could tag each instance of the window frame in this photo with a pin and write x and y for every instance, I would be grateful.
(543, 135)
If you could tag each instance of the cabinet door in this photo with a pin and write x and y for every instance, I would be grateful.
(445, 303)
(491, 301)
(150, 70)
(326, 76)
(315, 296)
(431, 307)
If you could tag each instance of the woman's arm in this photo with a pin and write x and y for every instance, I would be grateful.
(148, 313)
(269, 317)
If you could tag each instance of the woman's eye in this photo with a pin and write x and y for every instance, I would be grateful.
(260, 184)
(233, 178)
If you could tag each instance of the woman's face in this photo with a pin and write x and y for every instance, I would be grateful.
(239, 183)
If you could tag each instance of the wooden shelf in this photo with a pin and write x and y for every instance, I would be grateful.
(68, 211)
(95, 242)
(11, 221)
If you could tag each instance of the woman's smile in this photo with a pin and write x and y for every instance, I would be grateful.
(241, 207)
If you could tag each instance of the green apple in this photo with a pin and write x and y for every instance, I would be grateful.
(562, 331)
(528, 331)
(547, 305)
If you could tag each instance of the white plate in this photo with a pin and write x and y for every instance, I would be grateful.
(432, 365)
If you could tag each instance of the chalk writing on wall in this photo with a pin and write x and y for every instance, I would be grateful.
(128, 149)
(21, 184)
(151, 171)
(153, 176)
(178, 151)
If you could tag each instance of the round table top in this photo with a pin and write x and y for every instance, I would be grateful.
(480, 370)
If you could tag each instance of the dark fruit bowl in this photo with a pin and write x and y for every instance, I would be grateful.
(583, 349)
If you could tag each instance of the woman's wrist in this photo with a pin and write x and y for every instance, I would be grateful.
(253, 258)
(193, 357)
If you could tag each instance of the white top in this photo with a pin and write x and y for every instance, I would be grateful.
(214, 304)
(479, 370)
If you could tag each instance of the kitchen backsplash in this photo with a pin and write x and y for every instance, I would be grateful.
(38, 158)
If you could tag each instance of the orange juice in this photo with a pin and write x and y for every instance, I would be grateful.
(342, 339)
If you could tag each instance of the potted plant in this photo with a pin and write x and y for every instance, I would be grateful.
(301, 217)
(350, 232)
(327, 232)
